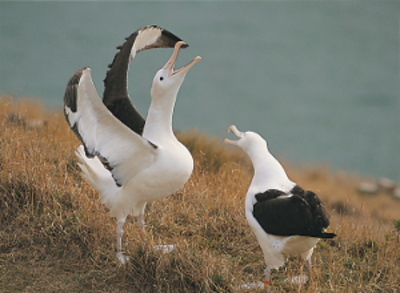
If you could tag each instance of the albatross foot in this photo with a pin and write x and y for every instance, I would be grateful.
(249, 286)
(298, 280)
(165, 248)
(122, 258)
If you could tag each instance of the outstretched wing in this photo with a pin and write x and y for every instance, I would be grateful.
(116, 96)
(103, 134)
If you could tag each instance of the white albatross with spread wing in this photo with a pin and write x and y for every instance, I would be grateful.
(285, 219)
(140, 168)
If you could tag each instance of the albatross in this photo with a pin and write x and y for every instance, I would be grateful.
(286, 219)
(130, 168)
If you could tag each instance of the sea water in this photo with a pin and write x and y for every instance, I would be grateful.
(318, 79)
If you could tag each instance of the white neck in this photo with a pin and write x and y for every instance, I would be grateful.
(268, 172)
(158, 127)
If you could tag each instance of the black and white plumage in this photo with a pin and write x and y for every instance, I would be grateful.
(285, 219)
(142, 165)
(116, 96)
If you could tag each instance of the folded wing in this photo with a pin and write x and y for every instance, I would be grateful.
(298, 212)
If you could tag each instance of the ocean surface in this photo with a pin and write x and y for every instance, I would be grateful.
(318, 79)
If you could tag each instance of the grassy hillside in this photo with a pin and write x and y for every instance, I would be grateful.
(57, 236)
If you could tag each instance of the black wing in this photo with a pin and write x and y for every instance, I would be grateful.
(116, 97)
(285, 216)
(320, 217)
(301, 214)
(269, 194)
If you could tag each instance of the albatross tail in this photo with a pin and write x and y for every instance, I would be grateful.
(98, 176)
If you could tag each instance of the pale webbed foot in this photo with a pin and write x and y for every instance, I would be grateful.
(298, 280)
(165, 248)
(302, 279)
(260, 285)
(249, 286)
(122, 258)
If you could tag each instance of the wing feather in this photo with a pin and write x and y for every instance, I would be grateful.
(102, 133)
(116, 97)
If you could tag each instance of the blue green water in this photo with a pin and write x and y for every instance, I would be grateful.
(318, 79)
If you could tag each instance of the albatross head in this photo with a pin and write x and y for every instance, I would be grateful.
(167, 81)
(249, 141)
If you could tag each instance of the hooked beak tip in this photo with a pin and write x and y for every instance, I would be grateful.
(179, 44)
(235, 132)
(228, 141)
(171, 62)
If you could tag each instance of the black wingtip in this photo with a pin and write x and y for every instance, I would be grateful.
(71, 92)
(115, 96)
(169, 39)
(328, 235)
(118, 69)
(71, 101)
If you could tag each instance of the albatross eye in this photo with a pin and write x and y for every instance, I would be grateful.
(161, 78)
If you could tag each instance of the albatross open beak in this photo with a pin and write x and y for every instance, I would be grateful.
(171, 62)
(235, 132)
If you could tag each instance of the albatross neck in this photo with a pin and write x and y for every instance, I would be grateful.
(268, 171)
(158, 127)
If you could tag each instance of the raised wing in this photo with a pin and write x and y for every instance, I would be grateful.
(116, 97)
(103, 134)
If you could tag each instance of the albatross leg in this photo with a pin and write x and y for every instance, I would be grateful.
(309, 267)
(122, 258)
(162, 248)
(267, 273)
(304, 278)
(140, 223)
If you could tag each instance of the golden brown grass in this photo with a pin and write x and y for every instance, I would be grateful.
(56, 235)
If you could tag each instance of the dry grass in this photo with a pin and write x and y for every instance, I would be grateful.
(56, 235)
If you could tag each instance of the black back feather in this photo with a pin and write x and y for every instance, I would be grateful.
(300, 214)
(269, 194)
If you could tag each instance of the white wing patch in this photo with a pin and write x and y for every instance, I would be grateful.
(145, 37)
(104, 135)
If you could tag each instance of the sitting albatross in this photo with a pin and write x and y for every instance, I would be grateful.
(285, 218)
(140, 168)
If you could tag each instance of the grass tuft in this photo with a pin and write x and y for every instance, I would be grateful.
(56, 235)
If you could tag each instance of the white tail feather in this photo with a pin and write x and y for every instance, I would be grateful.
(98, 176)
